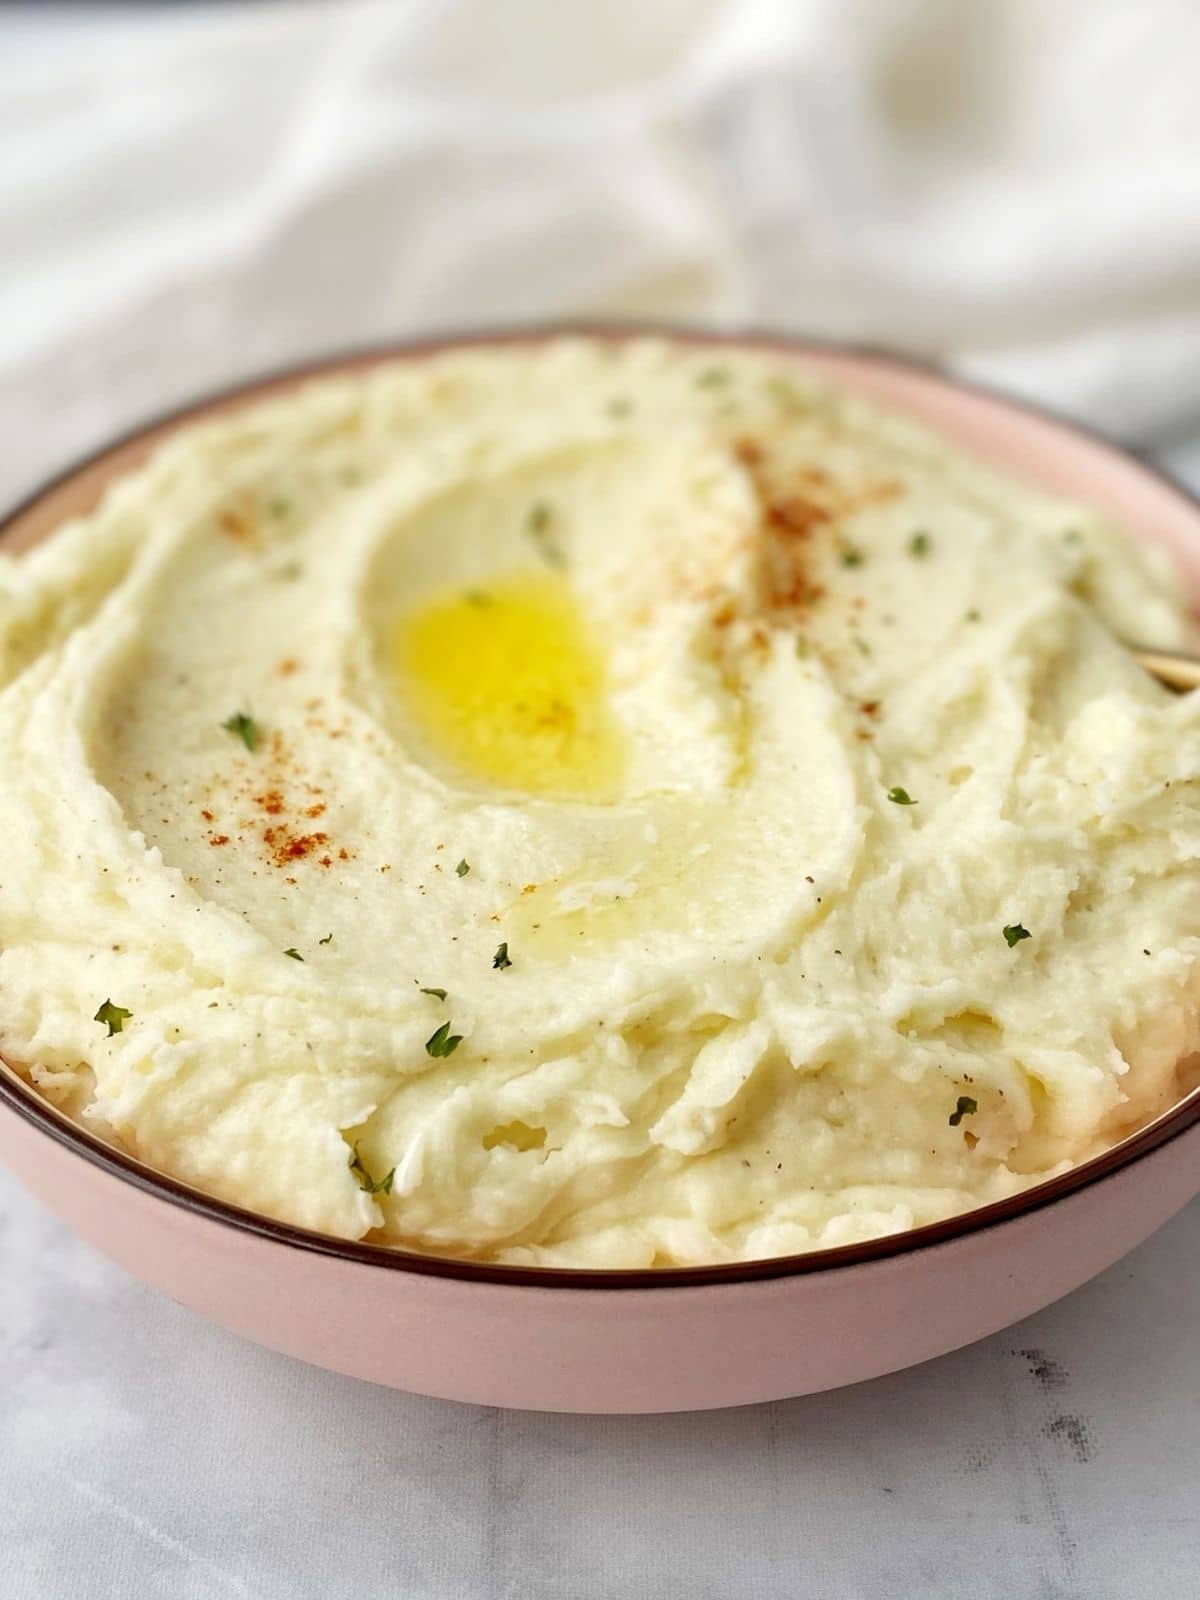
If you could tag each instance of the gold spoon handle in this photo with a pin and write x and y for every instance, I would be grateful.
(1170, 667)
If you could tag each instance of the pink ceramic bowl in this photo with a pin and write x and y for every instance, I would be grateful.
(668, 1340)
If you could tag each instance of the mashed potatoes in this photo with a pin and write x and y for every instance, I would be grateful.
(593, 804)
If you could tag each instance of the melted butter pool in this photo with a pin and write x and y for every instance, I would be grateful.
(508, 684)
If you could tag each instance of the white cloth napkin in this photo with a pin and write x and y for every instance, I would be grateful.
(192, 194)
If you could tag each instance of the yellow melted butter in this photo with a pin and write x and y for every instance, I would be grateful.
(507, 683)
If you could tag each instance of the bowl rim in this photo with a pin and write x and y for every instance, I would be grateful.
(25, 1102)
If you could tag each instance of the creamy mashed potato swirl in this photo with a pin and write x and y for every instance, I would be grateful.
(593, 804)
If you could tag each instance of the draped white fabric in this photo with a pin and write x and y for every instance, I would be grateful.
(189, 194)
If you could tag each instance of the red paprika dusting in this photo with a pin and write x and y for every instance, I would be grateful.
(796, 516)
(234, 524)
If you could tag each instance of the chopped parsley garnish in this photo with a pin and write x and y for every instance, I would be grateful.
(1014, 933)
(243, 727)
(290, 570)
(919, 545)
(500, 959)
(294, 953)
(113, 1017)
(801, 647)
(973, 615)
(901, 797)
(712, 377)
(366, 1182)
(463, 867)
(279, 506)
(438, 994)
(963, 1107)
(786, 396)
(619, 406)
(1071, 536)
(861, 645)
(851, 556)
(477, 597)
(328, 939)
(441, 1042)
(537, 524)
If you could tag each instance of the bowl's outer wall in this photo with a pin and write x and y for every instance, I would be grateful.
(631, 1350)
(618, 1350)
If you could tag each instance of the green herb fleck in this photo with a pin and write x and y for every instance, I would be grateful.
(279, 506)
(463, 867)
(441, 1042)
(366, 1182)
(537, 524)
(919, 545)
(294, 953)
(861, 645)
(328, 939)
(438, 994)
(290, 571)
(620, 406)
(901, 797)
(477, 597)
(973, 615)
(851, 556)
(350, 475)
(1072, 536)
(113, 1017)
(786, 395)
(712, 377)
(243, 727)
(500, 959)
(964, 1106)
(801, 647)
(1014, 933)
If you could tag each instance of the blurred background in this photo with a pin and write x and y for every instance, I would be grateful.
(193, 193)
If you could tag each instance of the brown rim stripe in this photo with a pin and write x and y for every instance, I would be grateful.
(23, 1101)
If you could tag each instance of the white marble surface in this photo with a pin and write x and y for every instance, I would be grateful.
(144, 1452)
(189, 195)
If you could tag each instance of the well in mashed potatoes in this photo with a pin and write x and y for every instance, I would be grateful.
(600, 803)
